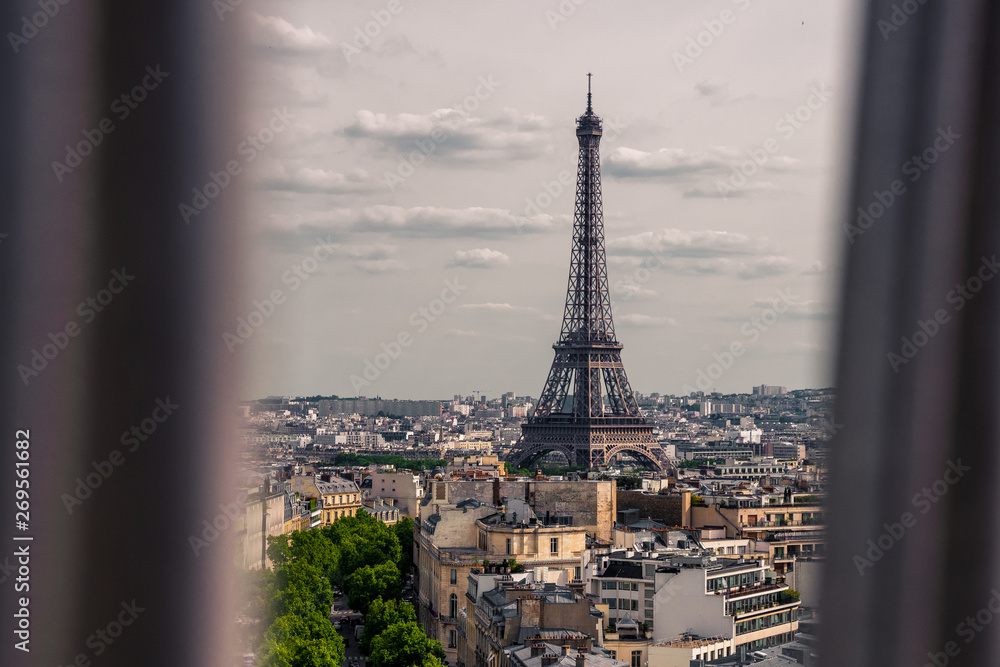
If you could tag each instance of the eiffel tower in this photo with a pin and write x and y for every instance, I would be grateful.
(587, 410)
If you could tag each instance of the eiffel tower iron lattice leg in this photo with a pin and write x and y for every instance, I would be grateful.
(587, 409)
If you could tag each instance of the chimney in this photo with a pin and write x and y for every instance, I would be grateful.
(581, 660)
(565, 649)
(537, 650)
(548, 659)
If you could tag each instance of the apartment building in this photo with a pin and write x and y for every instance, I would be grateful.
(341, 498)
(508, 613)
(458, 538)
(676, 593)
(741, 601)
(403, 487)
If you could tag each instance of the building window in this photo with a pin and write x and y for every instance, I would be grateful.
(636, 658)
(508, 546)
(635, 605)
(453, 605)
(454, 577)
(635, 586)
(452, 639)
(623, 585)
(576, 573)
(554, 545)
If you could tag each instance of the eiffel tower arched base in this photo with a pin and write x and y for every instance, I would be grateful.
(586, 445)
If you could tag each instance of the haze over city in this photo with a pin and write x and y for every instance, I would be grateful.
(437, 160)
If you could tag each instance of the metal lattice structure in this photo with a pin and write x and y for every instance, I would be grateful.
(587, 409)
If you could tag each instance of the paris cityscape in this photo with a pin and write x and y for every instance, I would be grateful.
(590, 525)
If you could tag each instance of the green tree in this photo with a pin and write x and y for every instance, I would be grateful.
(302, 641)
(301, 589)
(367, 583)
(362, 540)
(405, 645)
(304, 546)
(382, 614)
(629, 482)
(403, 529)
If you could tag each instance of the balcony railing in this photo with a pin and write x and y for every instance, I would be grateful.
(449, 619)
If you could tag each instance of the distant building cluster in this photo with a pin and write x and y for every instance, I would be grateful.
(716, 559)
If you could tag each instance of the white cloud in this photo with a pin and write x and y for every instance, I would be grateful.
(496, 307)
(453, 133)
(672, 242)
(311, 179)
(718, 93)
(479, 258)
(761, 267)
(640, 320)
(633, 292)
(277, 33)
(727, 190)
(431, 221)
(629, 162)
(382, 266)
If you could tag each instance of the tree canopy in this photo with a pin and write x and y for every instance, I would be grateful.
(293, 600)
(295, 640)
(367, 583)
(404, 645)
(381, 615)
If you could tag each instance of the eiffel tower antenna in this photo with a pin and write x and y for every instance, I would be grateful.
(587, 409)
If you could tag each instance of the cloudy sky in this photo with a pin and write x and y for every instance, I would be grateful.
(420, 189)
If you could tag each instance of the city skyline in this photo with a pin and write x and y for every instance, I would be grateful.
(416, 207)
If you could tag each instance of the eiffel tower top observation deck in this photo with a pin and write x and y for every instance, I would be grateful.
(587, 409)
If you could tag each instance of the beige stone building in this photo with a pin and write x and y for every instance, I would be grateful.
(341, 498)
(456, 538)
(587, 504)
(505, 611)
(402, 487)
